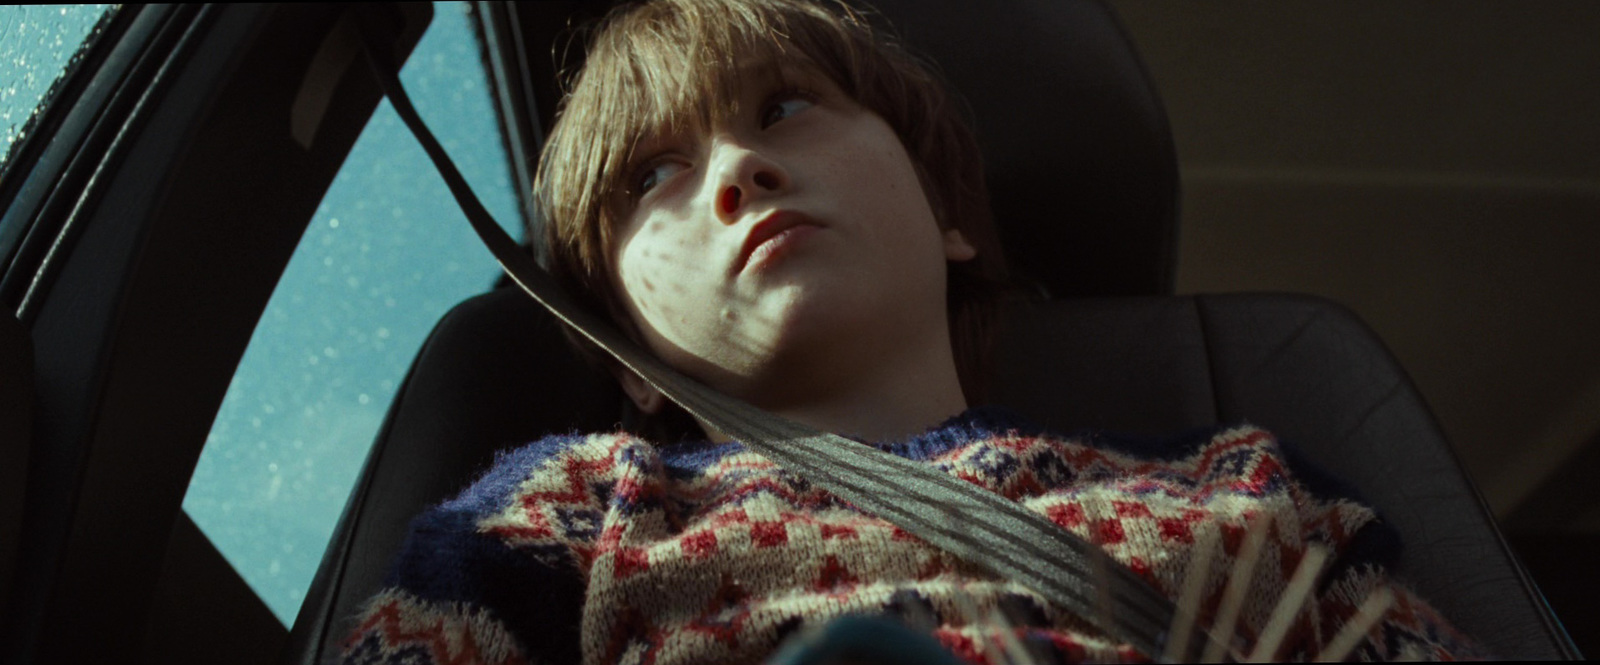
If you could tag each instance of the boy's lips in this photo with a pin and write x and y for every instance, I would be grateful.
(773, 225)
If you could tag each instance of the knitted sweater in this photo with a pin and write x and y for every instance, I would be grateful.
(605, 548)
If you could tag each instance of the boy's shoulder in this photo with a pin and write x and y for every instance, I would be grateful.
(453, 580)
(1232, 444)
(463, 550)
(514, 468)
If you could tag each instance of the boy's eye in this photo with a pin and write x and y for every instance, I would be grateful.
(784, 105)
(654, 174)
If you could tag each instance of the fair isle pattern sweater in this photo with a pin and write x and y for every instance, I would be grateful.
(608, 549)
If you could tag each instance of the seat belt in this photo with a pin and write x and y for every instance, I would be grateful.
(993, 533)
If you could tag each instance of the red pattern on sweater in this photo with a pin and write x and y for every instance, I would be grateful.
(712, 560)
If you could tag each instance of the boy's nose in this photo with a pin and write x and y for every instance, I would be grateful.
(745, 177)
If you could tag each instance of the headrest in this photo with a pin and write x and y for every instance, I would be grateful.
(1082, 172)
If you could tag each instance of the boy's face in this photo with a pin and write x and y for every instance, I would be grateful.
(789, 238)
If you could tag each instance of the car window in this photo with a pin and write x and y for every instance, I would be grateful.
(386, 255)
(38, 43)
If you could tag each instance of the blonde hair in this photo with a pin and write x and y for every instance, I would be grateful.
(677, 63)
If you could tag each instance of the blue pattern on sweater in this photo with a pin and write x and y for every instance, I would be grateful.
(538, 592)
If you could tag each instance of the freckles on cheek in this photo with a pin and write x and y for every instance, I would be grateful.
(640, 281)
(638, 288)
(650, 268)
(628, 265)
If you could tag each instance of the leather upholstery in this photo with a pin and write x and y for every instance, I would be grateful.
(496, 373)
(1080, 162)
(1312, 373)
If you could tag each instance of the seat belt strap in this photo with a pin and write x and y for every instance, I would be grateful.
(962, 519)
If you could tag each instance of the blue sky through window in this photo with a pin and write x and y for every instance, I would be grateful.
(386, 255)
(37, 42)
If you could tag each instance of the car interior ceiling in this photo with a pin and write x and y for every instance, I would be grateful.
(172, 255)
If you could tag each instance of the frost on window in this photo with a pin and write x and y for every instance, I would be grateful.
(38, 43)
(387, 253)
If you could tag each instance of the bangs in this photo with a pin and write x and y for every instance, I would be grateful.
(659, 85)
(670, 67)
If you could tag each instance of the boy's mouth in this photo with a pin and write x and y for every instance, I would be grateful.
(770, 235)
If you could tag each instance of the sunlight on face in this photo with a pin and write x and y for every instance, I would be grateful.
(790, 245)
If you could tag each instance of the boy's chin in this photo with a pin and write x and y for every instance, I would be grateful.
(799, 318)
(819, 336)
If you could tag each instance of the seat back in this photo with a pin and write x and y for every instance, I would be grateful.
(494, 374)
(1312, 373)
(1079, 156)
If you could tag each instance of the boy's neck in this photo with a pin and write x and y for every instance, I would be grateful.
(901, 395)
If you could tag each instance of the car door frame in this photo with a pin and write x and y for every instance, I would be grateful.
(156, 213)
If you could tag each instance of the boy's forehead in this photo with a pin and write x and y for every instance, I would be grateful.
(708, 94)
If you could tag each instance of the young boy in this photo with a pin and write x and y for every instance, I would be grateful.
(777, 201)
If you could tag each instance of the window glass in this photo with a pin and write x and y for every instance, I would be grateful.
(386, 255)
(37, 43)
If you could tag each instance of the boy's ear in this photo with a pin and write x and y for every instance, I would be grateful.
(956, 247)
(644, 395)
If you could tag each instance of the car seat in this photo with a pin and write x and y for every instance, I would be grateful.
(1084, 178)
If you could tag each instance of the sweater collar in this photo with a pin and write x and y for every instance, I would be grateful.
(974, 424)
